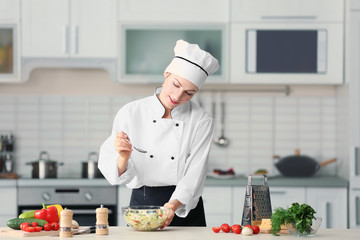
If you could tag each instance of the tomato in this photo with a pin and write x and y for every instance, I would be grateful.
(30, 229)
(216, 229)
(225, 227)
(38, 229)
(24, 225)
(55, 226)
(255, 229)
(249, 226)
(34, 224)
(236, 228)
(47, 227)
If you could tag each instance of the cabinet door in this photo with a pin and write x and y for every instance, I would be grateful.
(330, 205)
(8, 204)
(9, 10)
(93, 28)
(217, 204)
(238, 194)
(354, 208)
(45, 28)
(124, 195)
(284, 196)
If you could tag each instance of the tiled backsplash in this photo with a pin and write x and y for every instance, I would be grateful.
(69, 127)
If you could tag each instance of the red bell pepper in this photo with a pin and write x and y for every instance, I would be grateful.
(49, 214)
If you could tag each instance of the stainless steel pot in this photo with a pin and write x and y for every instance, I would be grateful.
(90, 169)
(44, 167)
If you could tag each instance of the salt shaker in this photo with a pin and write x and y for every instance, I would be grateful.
(66, 223)
(102, 223)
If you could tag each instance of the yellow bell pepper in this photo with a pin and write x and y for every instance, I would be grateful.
(59, 209)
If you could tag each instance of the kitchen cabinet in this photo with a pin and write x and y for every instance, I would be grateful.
(8, 203)
(10, 41)
(218, 205)
(174, 11)
(238, 196)
(329, 204)
(74, 28)
(284, 196)
(353, 71)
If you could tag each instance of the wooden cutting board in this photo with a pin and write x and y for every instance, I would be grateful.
(20, 233)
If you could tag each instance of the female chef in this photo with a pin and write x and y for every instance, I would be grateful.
(176, 134)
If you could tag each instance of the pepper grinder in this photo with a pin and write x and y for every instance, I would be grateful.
(66, 223)
(102, 223)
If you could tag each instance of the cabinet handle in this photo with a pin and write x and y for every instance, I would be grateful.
(356, 160)
(76, 39)
(328, 215)
(357, 211)
(277, 192)
(66, 39)
(288, 17)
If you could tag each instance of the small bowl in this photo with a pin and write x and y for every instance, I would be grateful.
(145, 218)
(314, 228)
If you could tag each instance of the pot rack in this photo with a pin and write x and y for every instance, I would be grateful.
(286, 90)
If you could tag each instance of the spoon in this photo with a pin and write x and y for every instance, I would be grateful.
(137, 149)
(222, 140)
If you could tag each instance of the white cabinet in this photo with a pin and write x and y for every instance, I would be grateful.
(330, 205)
(10, 41)
(353, 71)
(124, 195)
(285, 196)
(218, 205)
(75, 28)
(174, 11)
(238, 196)
(8, 204)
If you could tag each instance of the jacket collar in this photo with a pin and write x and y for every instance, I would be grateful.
(159, 110)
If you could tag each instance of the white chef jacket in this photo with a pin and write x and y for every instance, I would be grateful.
(177, 149)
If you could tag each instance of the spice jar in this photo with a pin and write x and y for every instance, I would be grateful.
(66, 223)
(102, 223)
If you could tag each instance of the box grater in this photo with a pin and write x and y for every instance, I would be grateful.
(257, 203)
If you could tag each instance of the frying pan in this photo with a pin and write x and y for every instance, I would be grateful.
(300, 165)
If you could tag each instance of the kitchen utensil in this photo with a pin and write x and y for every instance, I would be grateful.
(300, 165)
(9, 163)
(90, 169)
(257, 203)
(145, 218)
(44, 167)
(20, 233)
(137, 149)
(222, 140)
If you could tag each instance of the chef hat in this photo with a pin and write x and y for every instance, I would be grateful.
(192, 63)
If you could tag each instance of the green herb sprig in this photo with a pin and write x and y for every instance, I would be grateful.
(301, 215)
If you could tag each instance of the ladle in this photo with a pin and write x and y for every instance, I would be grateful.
(222, 140)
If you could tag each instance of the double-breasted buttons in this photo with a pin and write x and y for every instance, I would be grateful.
(154, 121)
(172, 158)
(151, 156)
(176, 124)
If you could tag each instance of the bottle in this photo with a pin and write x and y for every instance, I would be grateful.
(102, 223)
(1, 163)
(9, 163)
(1, 143)
(9, 146)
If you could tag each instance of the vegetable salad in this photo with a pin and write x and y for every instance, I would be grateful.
(145, 219)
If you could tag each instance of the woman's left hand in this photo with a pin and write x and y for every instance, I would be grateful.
(173, 205)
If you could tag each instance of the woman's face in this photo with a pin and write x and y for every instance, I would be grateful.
(176, 91)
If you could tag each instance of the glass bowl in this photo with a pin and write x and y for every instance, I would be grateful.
(314, 228)
(145, 218)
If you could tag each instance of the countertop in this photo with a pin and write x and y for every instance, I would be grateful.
(199, 233)
(275, 181)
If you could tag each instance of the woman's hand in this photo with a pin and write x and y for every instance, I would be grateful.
(124, 148)
(173, 205)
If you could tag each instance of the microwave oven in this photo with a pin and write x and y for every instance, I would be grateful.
(287, 53)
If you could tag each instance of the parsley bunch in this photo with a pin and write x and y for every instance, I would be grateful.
(300, 215)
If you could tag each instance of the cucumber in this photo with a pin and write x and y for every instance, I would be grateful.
(15, 222)
(28, 214)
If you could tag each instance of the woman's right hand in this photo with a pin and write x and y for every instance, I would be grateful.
(124, 149)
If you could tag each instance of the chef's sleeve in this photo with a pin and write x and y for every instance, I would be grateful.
(190, 187)
(107, 163)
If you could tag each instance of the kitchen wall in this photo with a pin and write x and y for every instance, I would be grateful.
(69, 112)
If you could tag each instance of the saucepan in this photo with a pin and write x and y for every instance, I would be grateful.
(90, 167)
(300, 165)
(44, 167)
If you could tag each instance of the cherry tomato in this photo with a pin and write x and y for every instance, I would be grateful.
(255, 229)
(47, 227)
(38, 229)
(248, 225)
(34, 224)
(225, 227)
(216, 229)
(30, 229)
(55, 226)
(236, 228)
(24, 225)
